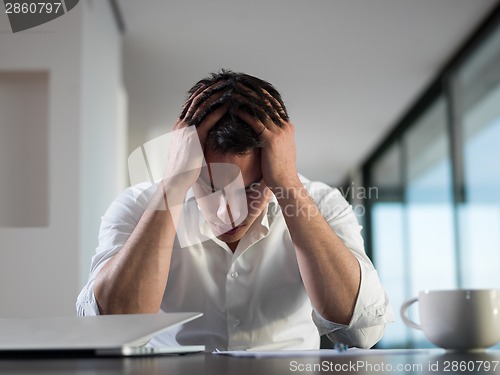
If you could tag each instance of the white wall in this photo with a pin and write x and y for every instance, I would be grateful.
(41, 268)
(104, 129)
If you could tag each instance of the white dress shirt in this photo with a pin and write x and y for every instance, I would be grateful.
(253, 298)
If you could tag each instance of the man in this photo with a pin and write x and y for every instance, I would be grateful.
(267, 274)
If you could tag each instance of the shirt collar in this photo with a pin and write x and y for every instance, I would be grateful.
(258, 229)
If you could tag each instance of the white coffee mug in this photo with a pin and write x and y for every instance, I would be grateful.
(457, 319)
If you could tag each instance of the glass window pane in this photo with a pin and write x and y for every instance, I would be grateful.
(412, 221)
(415, 219)
(429, 206)
(388, 237)
(429, 202)
(389, 258)
(478, 89)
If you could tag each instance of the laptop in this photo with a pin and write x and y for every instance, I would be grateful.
(105, 335)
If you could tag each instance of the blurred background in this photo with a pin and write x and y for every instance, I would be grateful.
(395, 102)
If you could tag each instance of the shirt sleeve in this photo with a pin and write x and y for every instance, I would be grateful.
(117, 224)
(373, 309)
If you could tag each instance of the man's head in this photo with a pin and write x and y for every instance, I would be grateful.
(232, 141)
(241, 92)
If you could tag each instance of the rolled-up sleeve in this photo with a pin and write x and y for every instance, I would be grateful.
(373, 309)
(86, 305)
(117, 224)
(371, 313)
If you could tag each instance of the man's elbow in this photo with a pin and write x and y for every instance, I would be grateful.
(363, 338)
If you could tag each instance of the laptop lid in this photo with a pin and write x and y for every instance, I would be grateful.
(101, 335)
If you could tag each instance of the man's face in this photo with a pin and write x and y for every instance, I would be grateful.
(231, 225)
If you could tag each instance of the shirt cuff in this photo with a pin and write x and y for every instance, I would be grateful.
(372, 307)
(86, 304)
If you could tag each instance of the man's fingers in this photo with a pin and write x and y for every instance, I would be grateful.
(270, 114)
(258, 126)
(194, 104)
(210, 120)
(197, 103)
(187, 104)
(203, 99)
(276, 105)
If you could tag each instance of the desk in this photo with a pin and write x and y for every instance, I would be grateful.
(429, 362)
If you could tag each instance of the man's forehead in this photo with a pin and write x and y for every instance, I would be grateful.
(221, 175)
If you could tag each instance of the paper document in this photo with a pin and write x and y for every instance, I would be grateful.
(316, 353)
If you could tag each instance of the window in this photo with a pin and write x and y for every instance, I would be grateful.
(436, 221)
(429, 202)
(412, 221)
(388, 236)
(478, 93)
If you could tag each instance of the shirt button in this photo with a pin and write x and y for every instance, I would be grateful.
(236, 323)
(234, 275)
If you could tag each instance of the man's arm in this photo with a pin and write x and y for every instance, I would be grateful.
(330, 271)
(134, 279)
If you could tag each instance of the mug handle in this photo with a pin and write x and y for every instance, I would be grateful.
(404, 316)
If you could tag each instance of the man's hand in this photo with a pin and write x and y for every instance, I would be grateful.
(185, 158)
(278, 153)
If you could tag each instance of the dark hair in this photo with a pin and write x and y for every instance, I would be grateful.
(231, 135)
